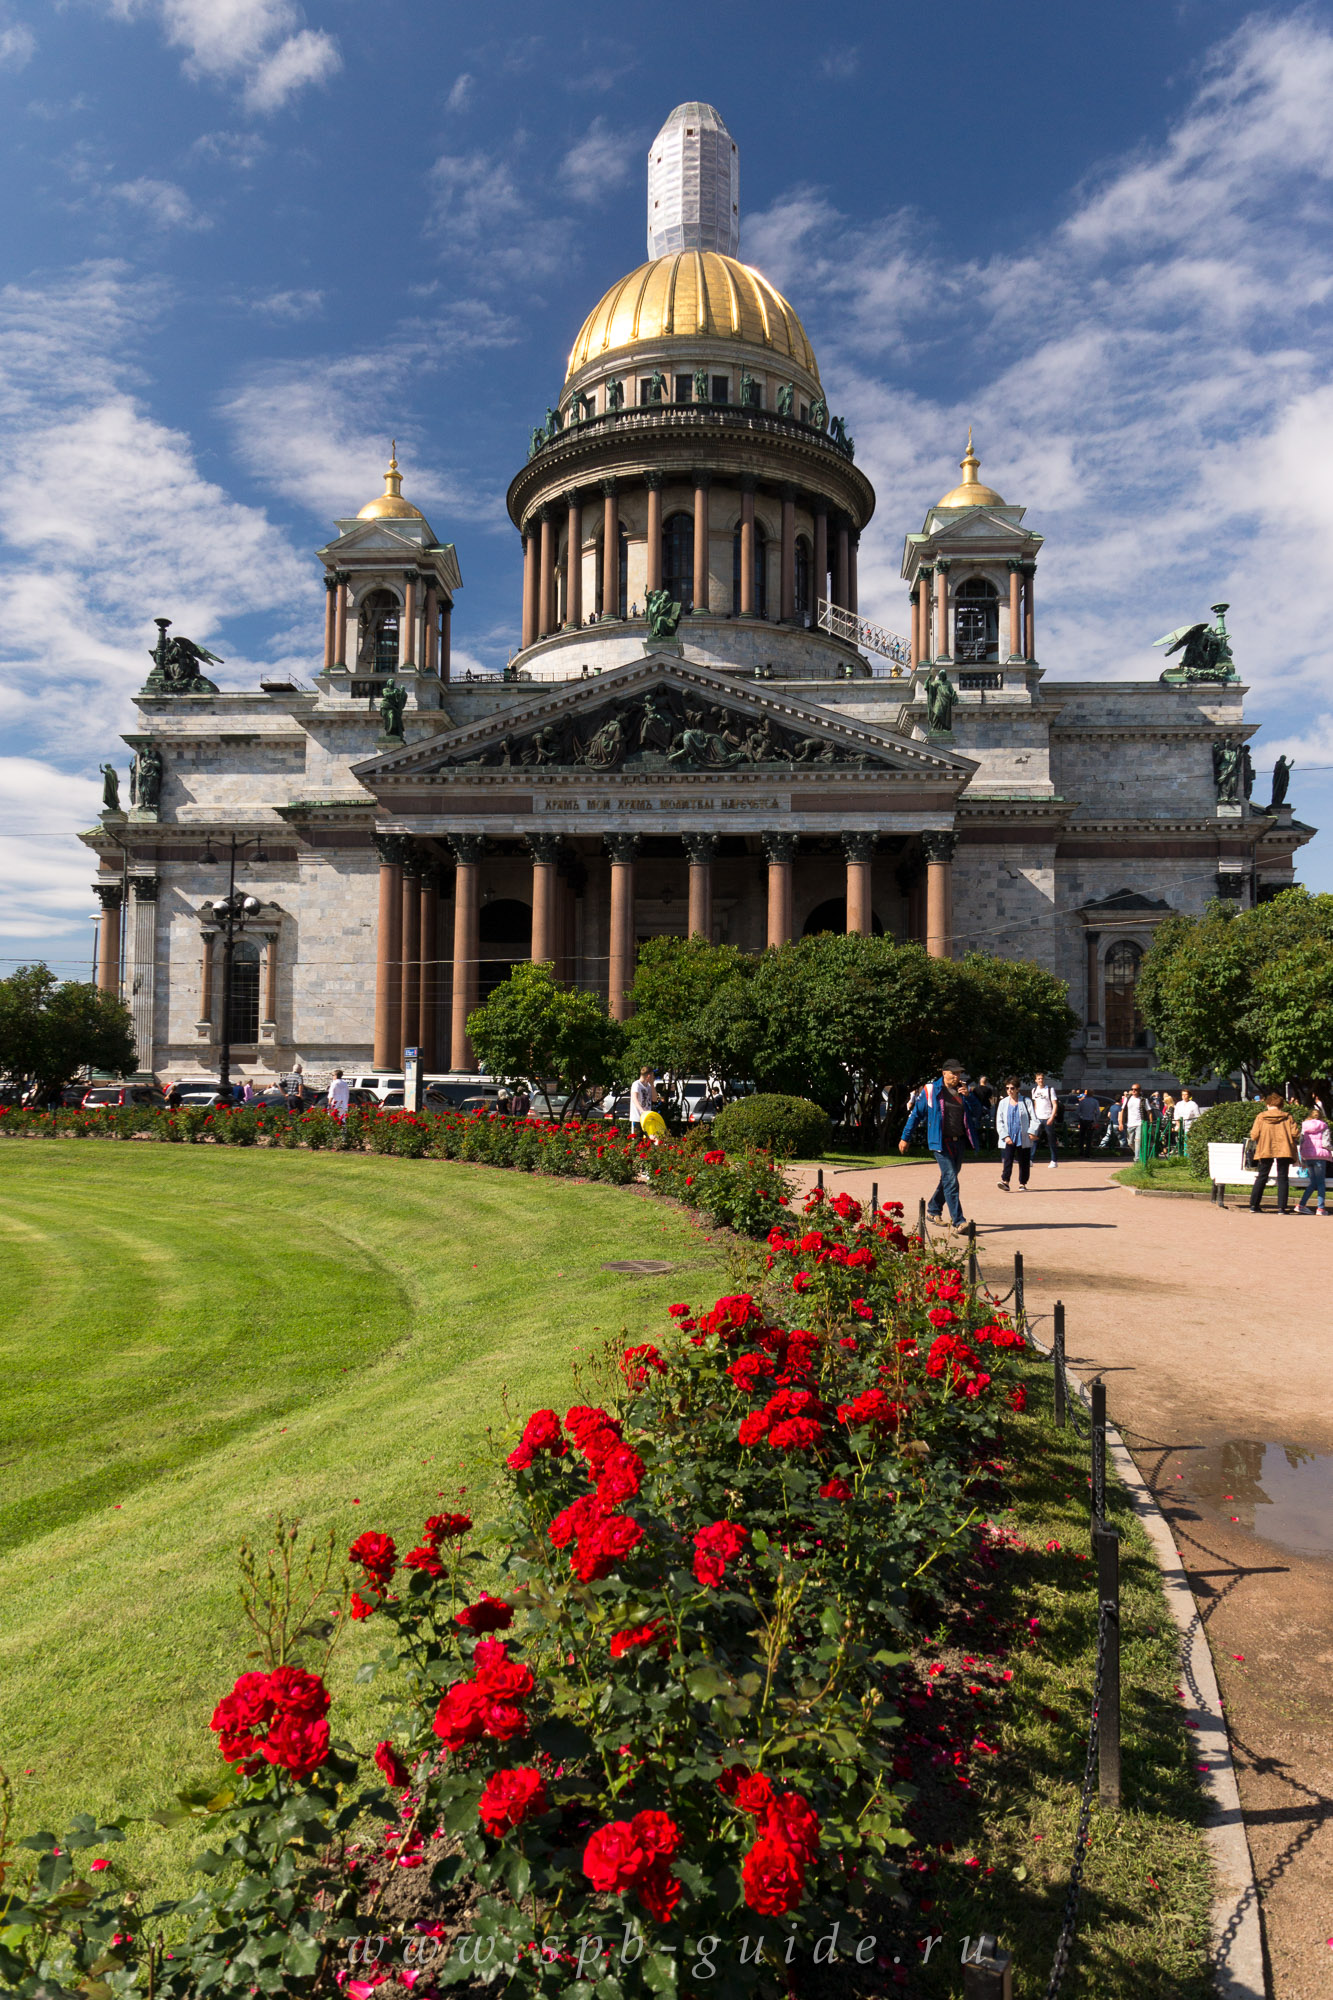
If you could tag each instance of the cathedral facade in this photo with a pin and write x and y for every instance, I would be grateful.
(699, 733)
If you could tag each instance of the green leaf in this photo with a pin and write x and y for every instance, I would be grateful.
(707, 1683)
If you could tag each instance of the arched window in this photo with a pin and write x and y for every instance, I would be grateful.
(977, 621)
(243, 1019)
(760, 572)
(1125, 1026)
(678, 559)
(804, 559)
(377, 633)
(599, 593)
(505, 930)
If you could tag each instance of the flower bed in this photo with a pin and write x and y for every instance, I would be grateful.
(744, 1190)
(671, 1722)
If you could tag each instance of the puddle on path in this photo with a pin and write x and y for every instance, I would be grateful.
(1280, 1491)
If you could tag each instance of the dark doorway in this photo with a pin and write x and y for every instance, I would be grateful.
(506, 940)
(832, 916)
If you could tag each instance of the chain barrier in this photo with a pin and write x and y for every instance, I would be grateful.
(1069, 1922)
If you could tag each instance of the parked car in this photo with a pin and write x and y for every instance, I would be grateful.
(379, 1082)
(197, 1089)
(116, 1096)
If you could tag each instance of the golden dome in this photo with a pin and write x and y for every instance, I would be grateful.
(692, 294)
(390, 503)
(971, 493)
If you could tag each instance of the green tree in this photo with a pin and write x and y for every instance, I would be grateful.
(1240, 989)
(531, 1027)
(1015, 1017)
(691, 1017)
(50, 1031)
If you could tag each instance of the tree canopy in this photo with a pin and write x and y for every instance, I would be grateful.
(531, 1027)
(50, 1031)
(1244, 989)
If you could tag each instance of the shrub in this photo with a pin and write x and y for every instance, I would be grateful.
(1225, 1124)
(792, 1126)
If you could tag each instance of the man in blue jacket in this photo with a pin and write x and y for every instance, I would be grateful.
(949, 1120)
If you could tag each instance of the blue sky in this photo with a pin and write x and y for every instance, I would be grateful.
(245, 241)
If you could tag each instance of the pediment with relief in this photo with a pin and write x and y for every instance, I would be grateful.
(665, 718)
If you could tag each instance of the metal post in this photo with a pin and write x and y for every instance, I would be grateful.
(989, 1973)
(921, 1219)
(1106, 1546)
(1020, 1310)
(971, 1233)
(1098, 1453)
(820, 1180)
(1058, 1356)
(874, 1197)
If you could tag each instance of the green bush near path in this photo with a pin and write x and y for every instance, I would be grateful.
(196, 1338)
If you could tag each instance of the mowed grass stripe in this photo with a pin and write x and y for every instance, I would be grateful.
(194, 1340)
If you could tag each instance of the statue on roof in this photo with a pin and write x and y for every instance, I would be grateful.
(393, 700)
(786, 398)
(110, 788)
(1227, 773)
(819, 414)
(657, 386)
(146, 778)
(663, 614)
(1205, 650)
(1281, 779)
(701, 390)
(615, 394)
(176, 664)
(939, 692)
(537, 440)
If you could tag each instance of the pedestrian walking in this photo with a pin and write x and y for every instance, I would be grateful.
(1087, 1113)
(1316, 1152)
(340, 1092)
(1046, 1104)
(642, 1098)
(1015, 1130)
(1276, 1140)
(946, 1112)
(1132, 1114)
(1186, 1112)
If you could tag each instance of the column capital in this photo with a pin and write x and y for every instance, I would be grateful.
(925, 572)
(546, 512)
(748, 482)
(943, 564)
(389, 847)
(330, 580)
(819, 506)
(778, 846)
(145, 888)
(107, 894)
(787, 491)
(574, 500)
(415, 862)
(653, 481)
(543, 847)
(700, 847)
(1014, 565)
(938, 848)
(858, 847)
(1029, 565)
(622, 847)
(468, 848)
(1093, 938)
(701, 481)
(412, 576)
(610, 487)
(342, 577)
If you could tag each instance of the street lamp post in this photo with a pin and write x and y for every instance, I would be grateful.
(232, 913)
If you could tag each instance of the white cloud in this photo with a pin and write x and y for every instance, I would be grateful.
(18, 45)
(161, 203)
(840, 61)
(597, 163)
(296, 305)
(241, 150)
(256, 44)
(460, 94)
(47, 873)
(479, 210)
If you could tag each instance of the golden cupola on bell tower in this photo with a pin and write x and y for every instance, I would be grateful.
(690, 458)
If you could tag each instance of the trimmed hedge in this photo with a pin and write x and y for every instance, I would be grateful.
(1225, 1124)
(791, 1126)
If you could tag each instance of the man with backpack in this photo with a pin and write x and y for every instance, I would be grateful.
(946, 1111)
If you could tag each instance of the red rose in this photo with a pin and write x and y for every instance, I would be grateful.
(614, 1858)
(542, 1433)
(799, 1824)
(289, 1706)
(597, 1445)
(872, 1406)
(587, 1417)
(360, 1608)
(237, 1717)
(715, 1159)
(941, 1316)
(504, 1720)
(1018, 1398)
(773, 1876)
(714, 1548)
(619, 1476)
(795, 1434)
(461, 1716)
(511, 1797)
(678, 1312)
(488, 1614)
(862, 1311)
(658, 1833)
(574, 1520)
(754, 1794)
(835, 1489)
(636, 1362)
(497, 1675)
(392, 1765)
(658, 1890)
(749, 1370)
(377, 1557)
(445, 1528)
(426, 1558)
(635, 1636)
(801, 1282)
(752, 1428)
(603, 1546)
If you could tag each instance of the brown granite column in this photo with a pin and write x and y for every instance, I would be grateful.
(925, 577)
(530, 559)
(621, 847)
(943, 651)
(1015, 610)
(938, 849)
(779, 849)
(610, 550)
(788, 591)
(409, 1027)
(914, 626)
(821, 560)
(854, 543)
(702, 593)
(701, 847)
(108, 895)
(1094, 1006)
(428, 987)
(468, 849)
(430, 623)
(859, 849)
(842, 583)
(389, 953)
(653, 481)
(330, 619)
(443, 662)
(340, 619)
(1029, 611)
(545, 851)
(747, 547)
(546, 581)
(574, 563)
(407, 636)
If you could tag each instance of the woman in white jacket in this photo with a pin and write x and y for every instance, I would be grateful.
(1015, 1128)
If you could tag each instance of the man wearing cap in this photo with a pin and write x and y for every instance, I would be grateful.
(949, 1119)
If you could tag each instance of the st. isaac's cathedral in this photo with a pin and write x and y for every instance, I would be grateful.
(698, 733)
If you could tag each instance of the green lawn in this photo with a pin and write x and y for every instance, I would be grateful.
(1164, 1176)
(195, 1339)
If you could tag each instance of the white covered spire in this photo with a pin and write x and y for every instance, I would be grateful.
(694, 185)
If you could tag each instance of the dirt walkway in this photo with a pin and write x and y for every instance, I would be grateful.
(1212, 1331)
